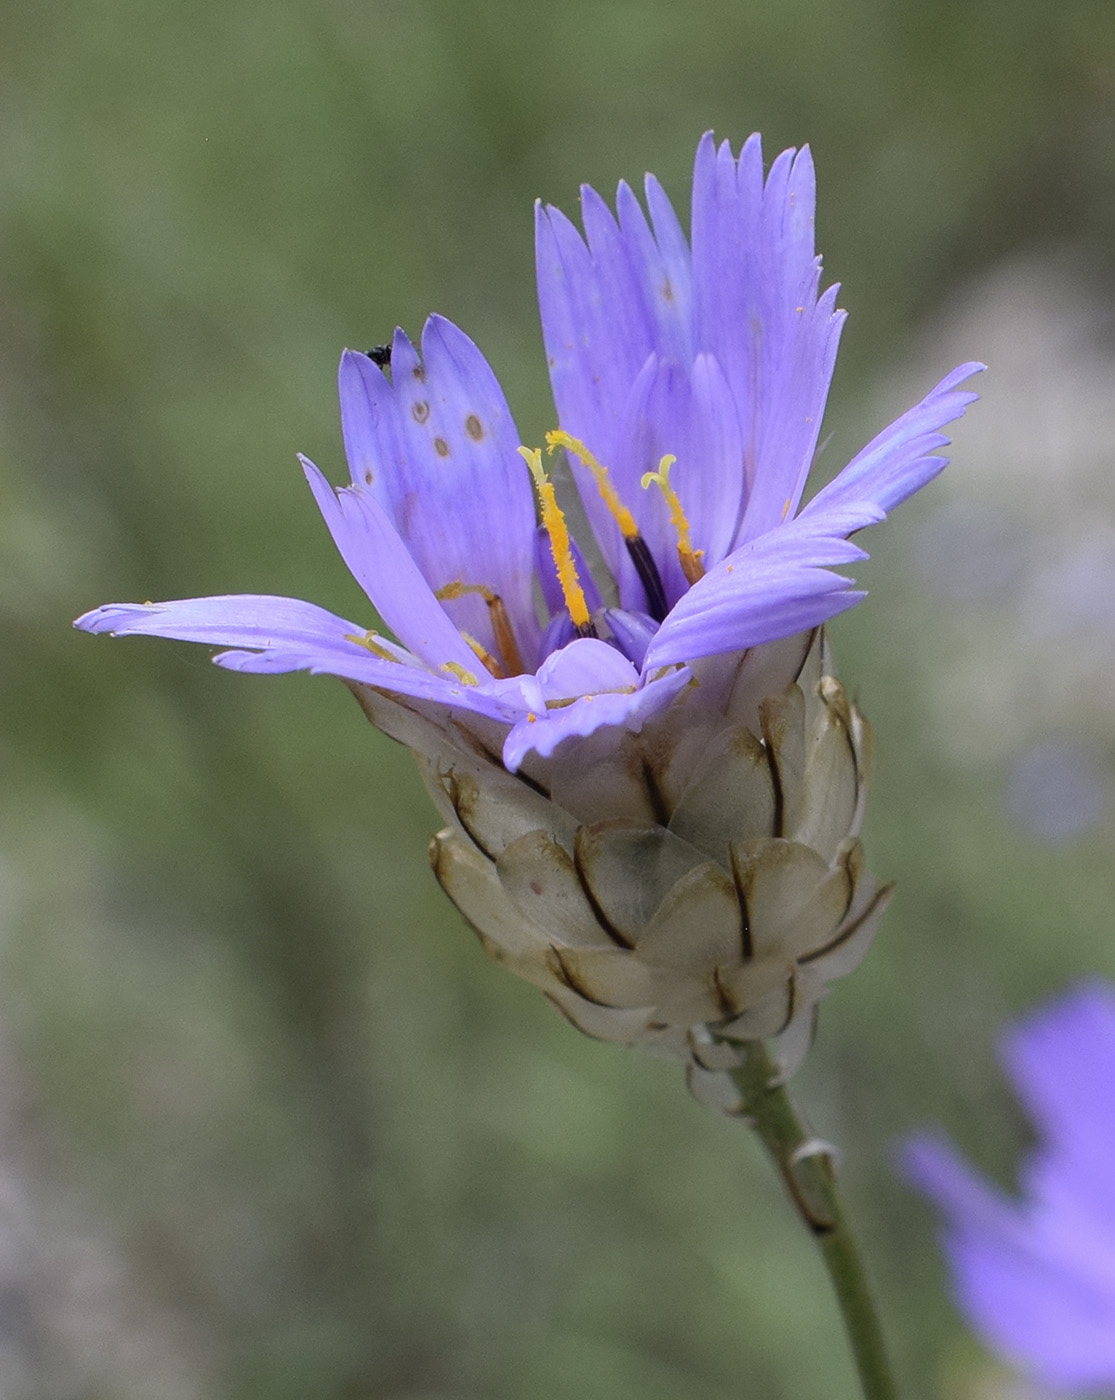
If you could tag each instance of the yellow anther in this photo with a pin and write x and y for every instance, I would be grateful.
(501, 625)
(485, 657)
(560, 547)
(690, 558)
(457, 589)
(623, 517)
(368, 639)
(456, 669)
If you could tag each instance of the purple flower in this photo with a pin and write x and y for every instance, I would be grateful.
(1036, 1275)
(690, 387)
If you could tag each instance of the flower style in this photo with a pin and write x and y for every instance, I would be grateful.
(690, 385)
(1036, 1276)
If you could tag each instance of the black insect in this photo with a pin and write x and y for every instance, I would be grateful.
(379, 355)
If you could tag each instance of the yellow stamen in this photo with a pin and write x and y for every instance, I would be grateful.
(501, 623)
(554, 524)
(574, 699)
(690, 558)
(369, 640)
(455, 667)
(485, 656)
(623, 517)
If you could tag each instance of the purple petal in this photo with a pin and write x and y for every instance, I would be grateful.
(585, 667)
(541, 731)
(437, 447)
(1046, 1318)
(770, 588)
(781, 453)
(935, 1168)
(689, 415)
(380, 562)
(1037, 1277)
(711, 468)
(755, 280)
(899, 461)
(656, 417)
(660, 262)
(633, 632)
(559, 633)
(676, 287)
(1062, 1063)
(353, 662)
(617, 264)
(294, 636)
(1017, 1283)
(244, 619)
(612, 304)
(607, 302)
(591, 367)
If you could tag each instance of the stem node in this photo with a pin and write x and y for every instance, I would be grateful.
(807, 1166)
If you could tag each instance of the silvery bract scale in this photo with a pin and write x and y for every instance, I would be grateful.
(688, 888)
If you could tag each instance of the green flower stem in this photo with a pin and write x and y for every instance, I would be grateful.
(806, 1168)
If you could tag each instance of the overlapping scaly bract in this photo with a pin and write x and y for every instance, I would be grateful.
(689, 888)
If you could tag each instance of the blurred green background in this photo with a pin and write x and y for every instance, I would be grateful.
(271, 1126)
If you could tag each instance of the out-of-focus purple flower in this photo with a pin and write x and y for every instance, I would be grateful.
(690, 385)
(1036, 1275)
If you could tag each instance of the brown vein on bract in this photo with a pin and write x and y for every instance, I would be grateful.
(884, 892)
(459, 795)
(842, 716)
(598, 912)
(746, 940)
(808, 652)
(567, 1015)
(791, 1001)
(775, 773)
(728, 1002)
(572, 980)
(853, 853)
(475, 744)
(654, 792)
